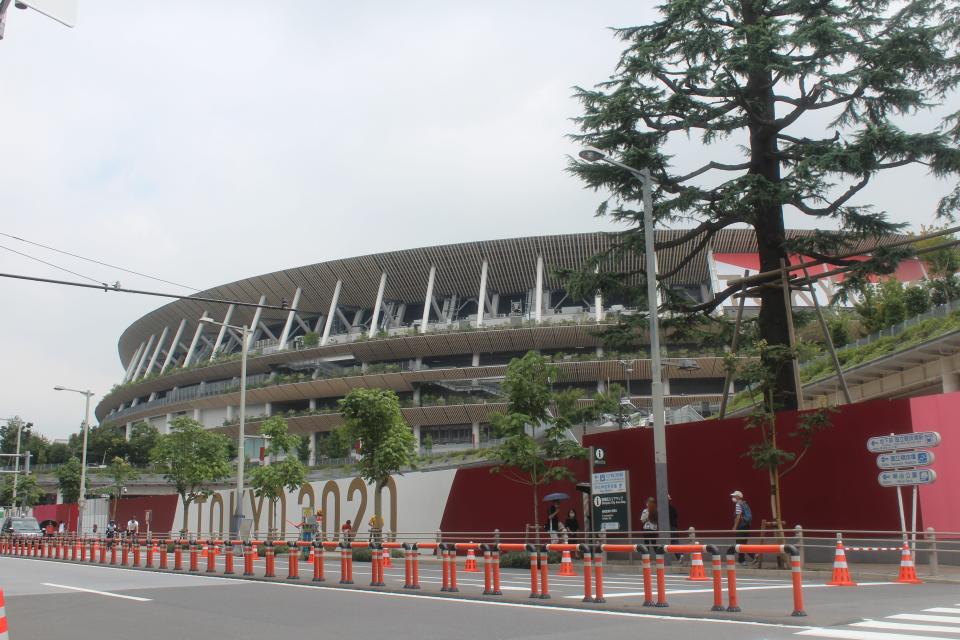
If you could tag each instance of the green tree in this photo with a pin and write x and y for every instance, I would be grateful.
(8, 434)
(120, 472)
(942, 266)
(758, 75)
(387, 444)
(336, 444)
(143, 438)
(191, 459)
(104, 442)
(427, 443)
(535, 438)
(271, 480)
(57, 453)
(29, 493)
(68, 478)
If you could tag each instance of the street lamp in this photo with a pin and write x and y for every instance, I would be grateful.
(82, 499)
(241, 436)
(656, 381)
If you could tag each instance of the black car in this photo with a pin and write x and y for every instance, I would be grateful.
(25, 526)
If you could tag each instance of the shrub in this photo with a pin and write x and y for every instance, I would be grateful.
(362, 555)
(515, 560)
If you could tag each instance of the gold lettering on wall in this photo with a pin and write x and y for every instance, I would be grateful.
(330, 488)
(357, 484)
(216, 525)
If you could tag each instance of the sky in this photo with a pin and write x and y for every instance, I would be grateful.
(210, 141)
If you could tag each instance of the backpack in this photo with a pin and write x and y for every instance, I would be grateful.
(746, 516)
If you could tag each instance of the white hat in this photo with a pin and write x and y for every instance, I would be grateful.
(737, 494)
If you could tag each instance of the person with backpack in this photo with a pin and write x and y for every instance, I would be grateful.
(742, 522)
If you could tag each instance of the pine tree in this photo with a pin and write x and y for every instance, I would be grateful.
(759, 73)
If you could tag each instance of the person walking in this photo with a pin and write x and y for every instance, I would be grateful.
(648, 520)
(572, 525)
(553, 522)
(742, 521)
(346, 531)
(133, 528)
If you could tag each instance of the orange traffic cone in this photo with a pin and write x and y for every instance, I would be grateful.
(908, 573)
(203, 554)
(697, 572)
(312, 556)
(841, 573)
(3, 618)
(387, 560)
(566, 565)
(470, 566)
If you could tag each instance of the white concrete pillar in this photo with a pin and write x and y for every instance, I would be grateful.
(193, 343)
(313, 404)
(475, 430)
(312, 458)
(143, 357)
(538, 294)
(127, 429)
(375, 319)
(165, 427)
(951, 378)
(416, 396)
(256, 321)
(172, 349)
(229, 412)
(666, 383)
(156, 351)
(222, 332)
(482, 301)
(598, 303)
(416, 436)
(333, 312)
(268, 409)
(197, 416)
(133, 362)
(427, 301)
(285, 334)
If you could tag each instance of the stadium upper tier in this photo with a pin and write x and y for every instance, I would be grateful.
(441, 320)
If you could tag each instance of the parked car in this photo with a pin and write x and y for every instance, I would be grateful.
(22, 526)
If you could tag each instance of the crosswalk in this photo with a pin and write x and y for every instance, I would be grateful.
(934, 623)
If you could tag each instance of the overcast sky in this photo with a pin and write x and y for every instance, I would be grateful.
(204, 142)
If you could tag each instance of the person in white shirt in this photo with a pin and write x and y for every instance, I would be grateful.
(133, 527)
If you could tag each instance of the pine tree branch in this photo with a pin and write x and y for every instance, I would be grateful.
(709, 227)
(833, 206)
(709, 166)
(693, 253)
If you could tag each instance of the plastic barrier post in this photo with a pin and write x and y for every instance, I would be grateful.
(248, 558)
(151, 552)
(415, 584)
(194, 556)
(453, 570)
(444, 568)
(293, 562)
(103, 552)
(647, 580)
(487, 570)
(598, 575)
(717, 567)
(797, 576)
(732, 604)
(317, 561)
(229, 550)
(544, 574)
(271, 562)
(83, 550)
(407, 566)
(376, 559)
(163, 554)
(136, 553)
(178, 556)
(212, 557)
(113, 552)
(57, 546)
(534, 579)
(124, 553)
(346, 560)
(587, 573)
(661, 581)
(73, 549)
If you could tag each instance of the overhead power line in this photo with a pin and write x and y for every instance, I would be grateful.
(49, 264)
(104, 264)
(115, 288)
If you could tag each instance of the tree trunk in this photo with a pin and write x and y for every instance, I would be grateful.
(768, 213)
(186, 514)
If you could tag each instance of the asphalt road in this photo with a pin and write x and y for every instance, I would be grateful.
(47, 599)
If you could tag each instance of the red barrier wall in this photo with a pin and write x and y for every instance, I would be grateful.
(164, 508)
(939, 500)
(58, 512)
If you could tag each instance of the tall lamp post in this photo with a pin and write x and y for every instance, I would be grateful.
(82, 499)
(241, 436)
(656, 381)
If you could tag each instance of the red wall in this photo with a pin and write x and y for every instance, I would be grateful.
(65, 512)
(164, 508)
(834, 486)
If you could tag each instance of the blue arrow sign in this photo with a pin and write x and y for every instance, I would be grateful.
(916, 440)
(906, 477)
(900, 460)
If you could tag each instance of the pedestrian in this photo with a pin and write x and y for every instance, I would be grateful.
(61, 528)
(572, 525)
(375, 525)
(553, 522)
(111, 532)
(94, 529)
(50, 529)
(346, 531)
(133, 528)
(674, 526)
(648, 521)
(742, 521)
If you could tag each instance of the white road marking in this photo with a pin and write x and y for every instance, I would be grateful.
(942, 610)
(918, 617)
(905, 626)
(853, 634)
(94, 591)
(678, 592)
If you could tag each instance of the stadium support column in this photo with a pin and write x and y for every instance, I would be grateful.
(143, 357)
(538, 294)
(375, 318)
(193, 343)
(951, 380)
(598, 304)
(333, 312)
(172, 349)
(256, 321)
(223, 331)
(133, 362)
(156, 351)
(428, 300)
(416, 436)
(475, 434)
(482, 300)
(285, 334)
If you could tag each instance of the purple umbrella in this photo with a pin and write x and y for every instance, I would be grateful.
(555, 496)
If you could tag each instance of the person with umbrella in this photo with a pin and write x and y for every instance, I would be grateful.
(553, 515)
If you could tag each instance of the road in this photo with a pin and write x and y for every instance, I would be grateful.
(47, 599)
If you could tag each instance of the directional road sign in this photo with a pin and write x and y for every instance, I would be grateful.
(899, 441)
(902, 459)
(907, 477)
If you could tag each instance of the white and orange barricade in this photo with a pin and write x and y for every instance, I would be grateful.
(796, 572)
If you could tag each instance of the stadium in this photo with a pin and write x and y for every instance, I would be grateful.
(437, 325)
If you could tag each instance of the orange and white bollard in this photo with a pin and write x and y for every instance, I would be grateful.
(293, 561)
(270, 562)
(4, 635)
(715, 560)
(587, 573)
(212, 557)
(346, 565)
(534, 572)
(194, 556)
(598, 576)
(841, 572)
(908, 572)
(661, 581)
(317, 562)
(163, 554)
(732, 604)
(797, 578)
(248, 558)
(647, 579)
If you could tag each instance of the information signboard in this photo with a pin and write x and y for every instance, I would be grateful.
(894, 442)
(900, 460)
(610, 498)
(906, 477)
